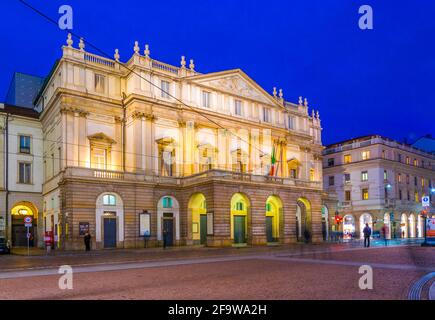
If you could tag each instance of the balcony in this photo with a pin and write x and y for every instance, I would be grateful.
(215, 174)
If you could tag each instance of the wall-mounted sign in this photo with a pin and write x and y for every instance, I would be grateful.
(210, 223)
(144, 224)
(83, 228)
(425, 201)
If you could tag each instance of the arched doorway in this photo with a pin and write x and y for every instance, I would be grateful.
(198, 210)
(363, 220)
(304, 222)
(273, 215)
(387, 225)
(168, 220)
(348, 226)
(109, 220)
(239, 218)
(19, 231)
(420, 226)
(325, 223)
(412, 225)
(404, 226)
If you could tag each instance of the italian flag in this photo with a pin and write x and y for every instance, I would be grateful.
(272, 161)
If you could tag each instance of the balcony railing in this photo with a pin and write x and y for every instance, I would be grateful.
(214, 174)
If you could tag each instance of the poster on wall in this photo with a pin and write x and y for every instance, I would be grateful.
(210, 223)
(430, 230)
(144, 225)
(83, 228)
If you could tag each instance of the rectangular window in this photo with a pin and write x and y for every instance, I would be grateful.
(206, 99)
(98, 158)
(399, 157)
(407, 160)
(291, 123)
(266, 115)
(399, 177)
(347, 195)
(365, 194)
(24, 172)
(238, 107)
(365, 155)
(384, 155)
(417, 198)
(364, 176)
(165, 89)
(415, 181)
(99, 83)
(24, 144)
(400, 194)
(385, 175)
(331, 162)
(331, 180)
(422, 182)
(415, 163)
(408, 195)
(407, 178)
(347, 158)
(347, 178)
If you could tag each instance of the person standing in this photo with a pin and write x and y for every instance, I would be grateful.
(367, 233)
(87, 239)
(165, 233)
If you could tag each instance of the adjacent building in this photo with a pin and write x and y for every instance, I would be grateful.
(381, 182)
(148, 150)
(21, 176)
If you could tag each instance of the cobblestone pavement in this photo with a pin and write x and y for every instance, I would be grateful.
(287, 272)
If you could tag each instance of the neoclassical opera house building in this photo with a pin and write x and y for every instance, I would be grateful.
(144, 148)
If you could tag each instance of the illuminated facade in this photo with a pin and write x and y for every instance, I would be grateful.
(21, 177)
(191, 158)
(381, 182)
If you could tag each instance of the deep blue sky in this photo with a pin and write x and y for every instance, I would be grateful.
(363, 82)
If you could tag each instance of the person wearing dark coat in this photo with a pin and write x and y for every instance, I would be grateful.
(87, 239)
(367, 233)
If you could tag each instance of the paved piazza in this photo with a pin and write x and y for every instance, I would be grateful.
(290, 272)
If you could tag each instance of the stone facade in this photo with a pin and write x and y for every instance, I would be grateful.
(379, 181)
(144, 138)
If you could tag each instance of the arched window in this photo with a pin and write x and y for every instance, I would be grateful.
(239, 206)
(167, 202)
(109, 200)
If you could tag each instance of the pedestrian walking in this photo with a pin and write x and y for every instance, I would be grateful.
(87, 240)
(307, 236)
(367, 233)
(384, 234)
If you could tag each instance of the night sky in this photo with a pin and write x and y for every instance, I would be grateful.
(379, 81)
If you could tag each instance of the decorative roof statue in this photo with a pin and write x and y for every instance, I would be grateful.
(82, 45)
(317, 114)
(300, 101)
(192, 65)
(274, 92)
(146, 52)
(69, 40)
(183, 62)
(306, 102)
(116, 55)
(136, 47)
(281, 95)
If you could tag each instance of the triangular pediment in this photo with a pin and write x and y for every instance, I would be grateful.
(102, 138)
(237, 83)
